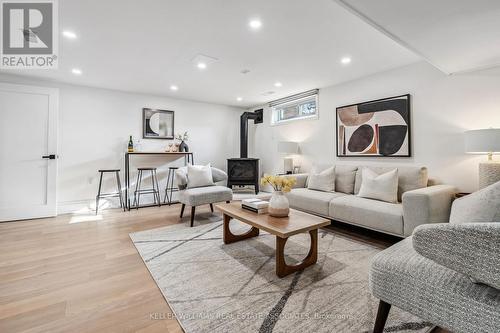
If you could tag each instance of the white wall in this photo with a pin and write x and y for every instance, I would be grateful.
(443, 107)
(95, 124)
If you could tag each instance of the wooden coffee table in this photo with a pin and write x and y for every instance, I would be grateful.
(297, 222)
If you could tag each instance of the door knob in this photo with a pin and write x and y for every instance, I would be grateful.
(50, 157)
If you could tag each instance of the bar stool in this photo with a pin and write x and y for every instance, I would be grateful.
(154, 190)
(170, 185)
(118, 193)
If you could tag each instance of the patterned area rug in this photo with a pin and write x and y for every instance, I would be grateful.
(213, 287)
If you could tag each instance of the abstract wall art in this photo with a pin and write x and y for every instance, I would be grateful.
(375, 128)
(157, 124)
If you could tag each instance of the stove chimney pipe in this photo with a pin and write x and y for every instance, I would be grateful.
(257, 117)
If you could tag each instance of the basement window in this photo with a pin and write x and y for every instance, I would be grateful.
(296, 107)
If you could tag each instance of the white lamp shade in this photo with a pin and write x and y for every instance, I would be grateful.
(483, 141)
(288, 147)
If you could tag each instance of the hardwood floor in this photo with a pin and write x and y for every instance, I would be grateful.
(81, 273)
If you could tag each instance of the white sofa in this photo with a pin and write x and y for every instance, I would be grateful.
(419, 202)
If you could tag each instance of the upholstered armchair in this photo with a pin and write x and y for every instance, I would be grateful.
(198, 196)
(446, 273)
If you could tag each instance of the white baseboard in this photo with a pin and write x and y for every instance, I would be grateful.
(75, 206)
(88, 205)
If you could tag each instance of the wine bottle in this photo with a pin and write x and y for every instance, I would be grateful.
(130, 145)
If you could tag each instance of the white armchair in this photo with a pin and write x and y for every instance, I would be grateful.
(198, 196)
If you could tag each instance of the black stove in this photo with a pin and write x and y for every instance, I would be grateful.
(244, 170)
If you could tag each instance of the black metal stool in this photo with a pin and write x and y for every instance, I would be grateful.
(155, 190)
(107, 195)
(170, 185)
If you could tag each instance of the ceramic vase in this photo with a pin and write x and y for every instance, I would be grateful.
(183, 147)
(278, 205)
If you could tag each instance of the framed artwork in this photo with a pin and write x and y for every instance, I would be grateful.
(379, 128)
(157, 124)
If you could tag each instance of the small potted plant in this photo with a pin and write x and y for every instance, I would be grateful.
(279, 205)
(183, 147)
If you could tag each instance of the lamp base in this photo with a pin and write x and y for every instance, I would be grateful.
(489, 173)
(288, 165)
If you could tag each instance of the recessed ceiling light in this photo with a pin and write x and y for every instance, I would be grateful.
(345, 60)
(255, 24)
(203, 61)
(278, 84)
(174, 88)
(239, 99)
(76, 71)
(69, 34)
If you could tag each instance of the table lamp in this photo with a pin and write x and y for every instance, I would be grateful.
(289, 148)
(487, 142)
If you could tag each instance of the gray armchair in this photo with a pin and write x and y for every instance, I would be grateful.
(198, 196)
(446, 273)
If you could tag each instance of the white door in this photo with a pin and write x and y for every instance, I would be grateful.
(28, 136)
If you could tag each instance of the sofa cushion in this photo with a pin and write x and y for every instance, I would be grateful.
(318, 168)
(410, 178)
(199, 175)
(382, 187)
(378, 215)
(345, 176)
(323, 181)
(402, 277)
(311, 200)
(480, 206)
(204, 195)
(472, 249)
(181, 176)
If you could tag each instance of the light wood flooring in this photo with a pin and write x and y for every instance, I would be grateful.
(81, 273)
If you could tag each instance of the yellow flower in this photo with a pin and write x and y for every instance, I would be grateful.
(279, 181)
(289, 181)
(284, 184)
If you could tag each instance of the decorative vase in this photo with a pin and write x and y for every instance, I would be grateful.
(278, 205)
(183, 147)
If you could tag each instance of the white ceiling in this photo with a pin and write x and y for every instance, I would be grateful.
(146, 46)
(453, 35)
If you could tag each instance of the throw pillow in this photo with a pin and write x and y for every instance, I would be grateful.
(480, 206)
(317, 168)
(323, 181)
(409, 178)
(382, 187)
(199, 176)
(345, 178)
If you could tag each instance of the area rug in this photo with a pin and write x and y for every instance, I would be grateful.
(213, 287)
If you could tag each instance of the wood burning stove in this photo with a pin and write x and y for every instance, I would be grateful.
(244, 170)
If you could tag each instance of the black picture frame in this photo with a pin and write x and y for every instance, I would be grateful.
(408, 121)
(148, 133)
